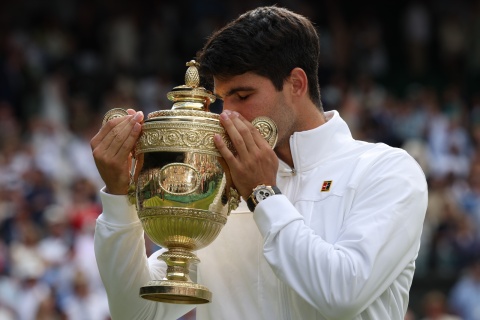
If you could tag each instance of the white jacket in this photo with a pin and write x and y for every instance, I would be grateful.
(343, 253)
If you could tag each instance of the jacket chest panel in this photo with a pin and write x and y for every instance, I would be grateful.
(322, 196)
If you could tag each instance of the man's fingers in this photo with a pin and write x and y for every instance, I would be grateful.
(125, 142)
(115, 138)
(121, 139)
(238, 143)
(105, 130)
(112, 147)
(239, 131)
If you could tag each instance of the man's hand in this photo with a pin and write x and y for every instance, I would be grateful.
(255, 162)
(112, 147)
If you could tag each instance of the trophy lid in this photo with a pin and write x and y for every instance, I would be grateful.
(189, 96)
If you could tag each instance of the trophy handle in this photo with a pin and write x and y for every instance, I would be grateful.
(114, 113)
(267, 128)
(136, 165)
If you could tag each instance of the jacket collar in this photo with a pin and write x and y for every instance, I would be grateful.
(313, 147)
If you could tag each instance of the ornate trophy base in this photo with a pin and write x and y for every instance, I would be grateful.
(177, 287)
(172, 291)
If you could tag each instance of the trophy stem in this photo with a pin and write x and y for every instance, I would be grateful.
(177, 287)
(178, 262)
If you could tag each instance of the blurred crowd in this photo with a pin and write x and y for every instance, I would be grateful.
(402, 73)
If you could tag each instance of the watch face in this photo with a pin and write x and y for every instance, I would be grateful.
(262, 194)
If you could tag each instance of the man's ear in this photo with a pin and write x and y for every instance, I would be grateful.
(298, 82)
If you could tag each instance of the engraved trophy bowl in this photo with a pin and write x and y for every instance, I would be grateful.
(180, 190)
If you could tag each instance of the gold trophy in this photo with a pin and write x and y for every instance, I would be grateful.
(181, 192)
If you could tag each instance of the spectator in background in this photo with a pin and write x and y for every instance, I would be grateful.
(473, 43)
(467, 195)
(83, 208)
(9, 286)
(55, 247)
(465, 295)
(49, 310)
(85, 302)
(417, 27)
(449, 143)
(368, 46)
(31, 293)
(435, 307)
(453, 43)
(6, 313)
(27, 245)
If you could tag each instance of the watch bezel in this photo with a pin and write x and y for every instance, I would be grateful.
(258, 191)
(252, 200)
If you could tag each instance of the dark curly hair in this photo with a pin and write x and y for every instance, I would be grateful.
(269, 41)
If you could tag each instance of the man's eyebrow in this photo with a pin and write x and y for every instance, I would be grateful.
(234, 90)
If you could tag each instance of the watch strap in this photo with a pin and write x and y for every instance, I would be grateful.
(251, 205)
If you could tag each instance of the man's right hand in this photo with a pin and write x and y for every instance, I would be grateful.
(112, 147)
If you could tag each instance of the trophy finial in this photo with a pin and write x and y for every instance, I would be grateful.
(192, 78)
(190, 96)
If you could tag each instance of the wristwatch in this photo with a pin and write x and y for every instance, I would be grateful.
(260, 193)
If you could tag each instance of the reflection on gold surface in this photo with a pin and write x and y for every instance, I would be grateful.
(194, 183)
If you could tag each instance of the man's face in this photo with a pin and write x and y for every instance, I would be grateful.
(249, 94)
(252, 96)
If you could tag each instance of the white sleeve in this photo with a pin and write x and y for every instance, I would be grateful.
(379, 237)
(123, 264)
